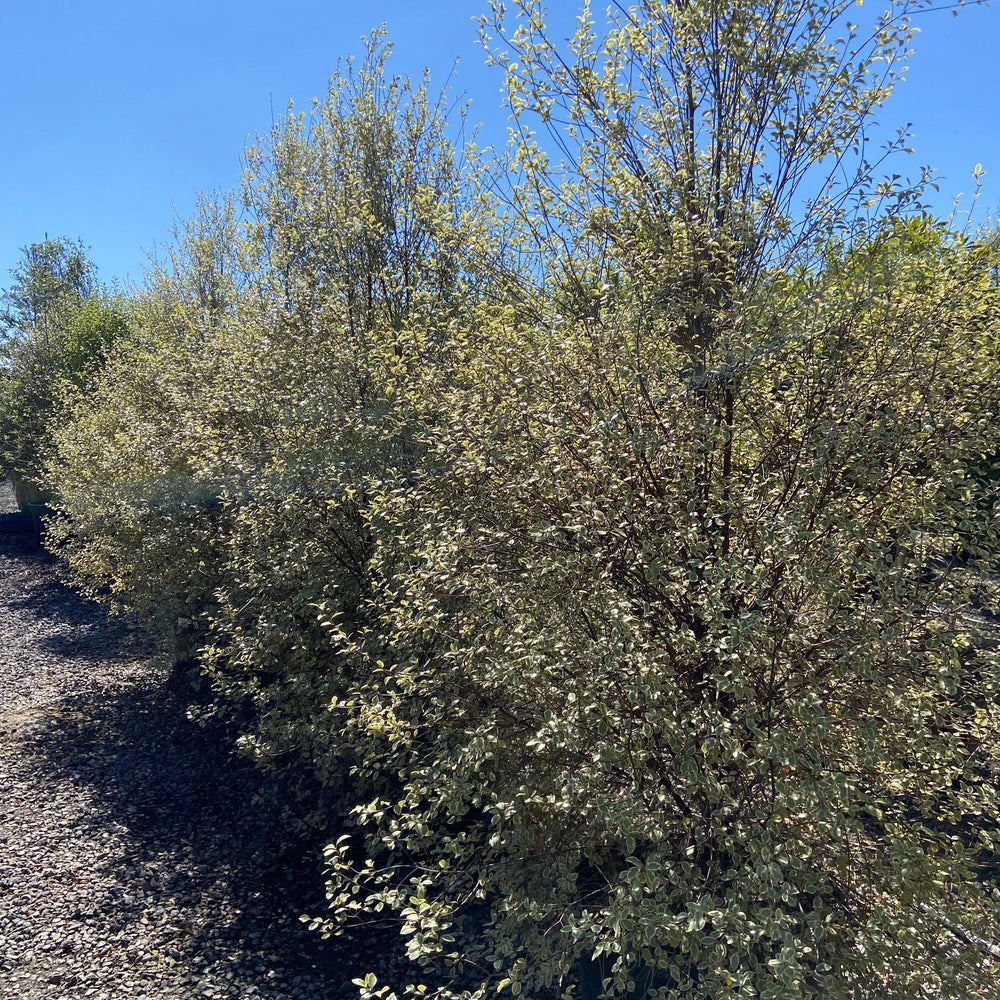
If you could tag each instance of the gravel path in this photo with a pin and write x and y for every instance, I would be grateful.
(133, 862)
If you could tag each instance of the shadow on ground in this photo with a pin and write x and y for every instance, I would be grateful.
(220, 877)
(19, 530)
(70, 626)
(220, 872)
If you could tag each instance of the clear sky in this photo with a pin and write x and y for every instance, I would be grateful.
(114, 114)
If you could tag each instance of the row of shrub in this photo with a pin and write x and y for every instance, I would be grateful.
(610, 552)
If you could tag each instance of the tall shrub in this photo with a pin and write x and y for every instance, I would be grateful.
(221, 479)
(675, 686)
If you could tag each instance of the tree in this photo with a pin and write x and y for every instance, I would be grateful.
(51, 272)
(57, 329)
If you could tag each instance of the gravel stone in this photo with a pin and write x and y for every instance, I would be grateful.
(134, 860)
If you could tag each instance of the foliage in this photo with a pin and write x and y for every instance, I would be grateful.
(696, 692)
(673, 675)
(217, 481)
(632, 602)
(51, 272)
(701, 145)
(58, 327)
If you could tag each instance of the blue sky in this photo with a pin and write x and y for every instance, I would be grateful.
(114, 114)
